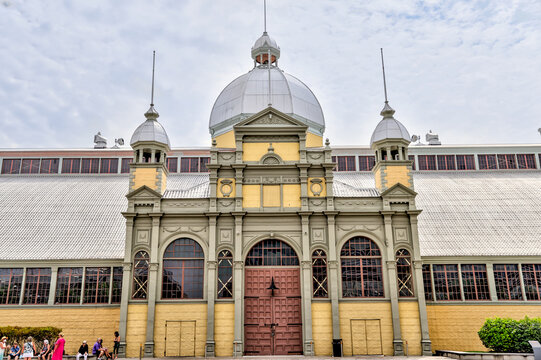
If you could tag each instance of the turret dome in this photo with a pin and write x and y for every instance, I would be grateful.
(389, 128)
(150, 130)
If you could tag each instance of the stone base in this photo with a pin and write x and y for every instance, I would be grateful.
(149, 349)
(427, 347)
(398, 347)
(210, 349)
(122, 350)
(308, 348)
(238, 350)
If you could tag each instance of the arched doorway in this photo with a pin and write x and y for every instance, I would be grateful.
(272, 301)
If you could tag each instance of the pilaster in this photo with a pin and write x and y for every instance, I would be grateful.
(306, 285)
(152, 284)
(333, 274)
(211, 288)
(238, 283)
(126, 281)
(52, 288)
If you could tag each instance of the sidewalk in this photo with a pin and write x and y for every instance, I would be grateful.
(301, 357)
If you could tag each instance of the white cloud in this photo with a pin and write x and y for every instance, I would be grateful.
(468, 70)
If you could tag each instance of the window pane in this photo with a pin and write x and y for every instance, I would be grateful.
(183, 270)
(225, 275)
(140, 275)
(361, 268)
(10, 285)
(49, 166)
(97, 285)
(109, 166)
(475, 282)
(412, 159)
(532, 281)
(116, 291)
(172, 164)
(272, 252)
(404, 273)
(203, 163)
(427, 162)
(487, 162)
(68, 285)
(184, 164)
(90, 166)
(507, 161)
(507, 280)
(319, 274)
(526, 161)
(366, 163)
(30, 166)
(11, 166)
(36, 288)
(465, 162)
(446, 162)
(71, 166)
(427, 282)
(446, 283)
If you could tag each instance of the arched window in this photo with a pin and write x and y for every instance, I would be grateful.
(361, 268)
(225, 275)
(319, 274)
(272, 252)
(183, 270)
(140, 275)
(403, 273)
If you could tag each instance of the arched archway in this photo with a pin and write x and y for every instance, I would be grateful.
(272, 301)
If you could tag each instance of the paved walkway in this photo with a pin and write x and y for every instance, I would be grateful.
(300, 357)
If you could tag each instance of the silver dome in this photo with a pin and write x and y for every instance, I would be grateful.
(249, 94)
(150, 130)
(389, 127)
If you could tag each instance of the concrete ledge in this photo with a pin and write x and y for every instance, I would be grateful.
(461, 355)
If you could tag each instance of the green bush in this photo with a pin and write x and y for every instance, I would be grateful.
(508, 335)
(20, 334)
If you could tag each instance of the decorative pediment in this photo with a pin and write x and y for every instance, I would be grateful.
(270, 117)
(143, 193)
(398, 190)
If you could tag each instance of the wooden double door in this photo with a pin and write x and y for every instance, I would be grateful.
(272, 318)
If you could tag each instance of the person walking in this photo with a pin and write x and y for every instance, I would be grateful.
(83, 350)
(3, 346)
(59, 347)
(29, 348)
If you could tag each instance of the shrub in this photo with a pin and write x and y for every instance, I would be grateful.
(508, 335)
(20, 334)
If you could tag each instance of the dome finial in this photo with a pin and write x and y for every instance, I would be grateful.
(387, 111)
(151, 112)
(264, 16)
(265, 50)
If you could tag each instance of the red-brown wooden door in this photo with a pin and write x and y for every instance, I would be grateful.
(272, 323)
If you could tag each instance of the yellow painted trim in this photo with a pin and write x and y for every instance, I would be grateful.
(226, 140)
(145, 176)
(288, 151)
(271, 195)
(224, 329)
(226, 190)
(410, 326)
(251, 196)
(322, 328)
(292, 195)
(313, 140)
(136, 329)
(397, 174)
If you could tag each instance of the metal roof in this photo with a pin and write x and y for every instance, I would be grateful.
(465, 213)
(389, 127)
(249, 94)
(150, 130)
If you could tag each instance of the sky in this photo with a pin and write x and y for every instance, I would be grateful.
(469, 71)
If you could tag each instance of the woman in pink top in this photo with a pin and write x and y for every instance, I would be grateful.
(59, 347)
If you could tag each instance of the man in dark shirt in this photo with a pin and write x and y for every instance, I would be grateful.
(83, 350)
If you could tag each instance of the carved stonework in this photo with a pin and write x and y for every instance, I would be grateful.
(318, 235)
(226, 187)
(238, 265)
(316, 186)
(271, 160)
(154, 266)
(226, 236)
(354, 202)
(401, 235)
(399, 206)
(347, 228)
(143, 237)
(270, 120)
(315, 156)
(306, 265)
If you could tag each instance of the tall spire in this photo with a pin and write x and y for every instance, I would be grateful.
(387, 111)
(151, 113)
(264, 16)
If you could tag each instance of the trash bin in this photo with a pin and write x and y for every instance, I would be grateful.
(337, 347)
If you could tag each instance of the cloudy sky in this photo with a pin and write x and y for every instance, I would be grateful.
(468, 70)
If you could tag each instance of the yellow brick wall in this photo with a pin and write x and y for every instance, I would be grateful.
(251, 196)
(397, 174)
(377, 178)
(164, 182)
(323, 187)
(179, 312)
(136, 329)
(366, 310)
(224, 329)
(232, 185)
(454, 327)
(292, 195)
(313, 140)
(145, 176)
(78, 324)
(226, 140)
(410, 326)
(255, 151)
(271, 195)
(322, 328)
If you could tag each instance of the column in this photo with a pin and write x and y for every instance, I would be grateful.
(211, 286)
(426, 344)
(238, 267)
(333, 274)
(152, 284)
(398, 344)
(126, 278)
(491, 282)
(308, 347)
(52, 288)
